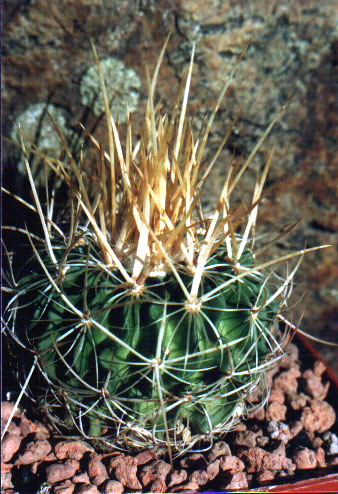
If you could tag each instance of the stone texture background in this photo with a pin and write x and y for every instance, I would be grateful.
(293, 52)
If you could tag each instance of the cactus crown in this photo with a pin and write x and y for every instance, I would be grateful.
(151, 322)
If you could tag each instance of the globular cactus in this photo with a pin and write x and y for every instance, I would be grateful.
(151, 322)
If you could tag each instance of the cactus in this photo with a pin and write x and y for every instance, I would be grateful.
(151, 322)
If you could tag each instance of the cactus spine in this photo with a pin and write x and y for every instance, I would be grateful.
(151, 322)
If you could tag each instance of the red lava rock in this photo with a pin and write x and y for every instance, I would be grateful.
(36, 464)
(314, 385)
(219, 449)
(34, 451)
(287, 380)
(9, 446)
(246, 438)
(177, 477)
(317, 442)
(158, 485)
(265, 476)
(186, 487)
(259, 415)
(112, 487)
(320, 457)
(6, 410)
(295, 428)
(277, 396)
(73, 450)
(253, 458)
(156, 470)
(81, 478)
(96, 468)
(318, 417)
(6, 467)
(319, 368)
(272, 461)
(213, 469)
(200, 477)
(66, 487)
(304, 458)
(298, 400)
(262, 441)
(11, 429)
(238, 481)
(86, 489)
(231, 463)
(6, 480)
(29, 427)
(275, 411)
(279, 431)
(125, 469)
(193, 460)
(144, 457)
(61, 471)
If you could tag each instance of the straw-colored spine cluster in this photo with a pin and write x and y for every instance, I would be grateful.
(151, 323)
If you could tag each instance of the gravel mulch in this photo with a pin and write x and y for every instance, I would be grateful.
(292, 437)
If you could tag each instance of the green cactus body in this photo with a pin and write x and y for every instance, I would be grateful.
(151, 323)
(207, 361)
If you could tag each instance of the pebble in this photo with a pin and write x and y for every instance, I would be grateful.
(125, 469)
(34, 451)
(61, 471)
(304, 458)
(9, 446)
(318, 417)
(112, 487)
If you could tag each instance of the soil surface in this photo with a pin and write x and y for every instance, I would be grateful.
(293, 437)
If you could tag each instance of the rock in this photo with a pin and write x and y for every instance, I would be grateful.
(96, 468)
(34, 451)
(279, 431)
(265, 476)
(86, 489)
(81, 478)
(61, 471)
(144, 457)
(112, 487)
(331, 443)
(238, 480)
(220, 448)
(295, 428)
(199, 477)
(125, 469)
(6, 409)
(194, 460)
(6, 480)
(304, 458)
(320, 457)
(298, 401)
(9, 446)
(287, 380)
(29, 427)
(66, 487)
(318, 417)
(177, 477)
(156, 470)
(213, 469)
(276, 412)
(231, 463)
(253, 458)
(246, 438)
(72, 449)
(276, 396)
(314, 385)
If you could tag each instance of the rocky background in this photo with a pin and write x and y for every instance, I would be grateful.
(293, 52)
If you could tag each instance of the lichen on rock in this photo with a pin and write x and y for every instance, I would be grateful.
(121, 84)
